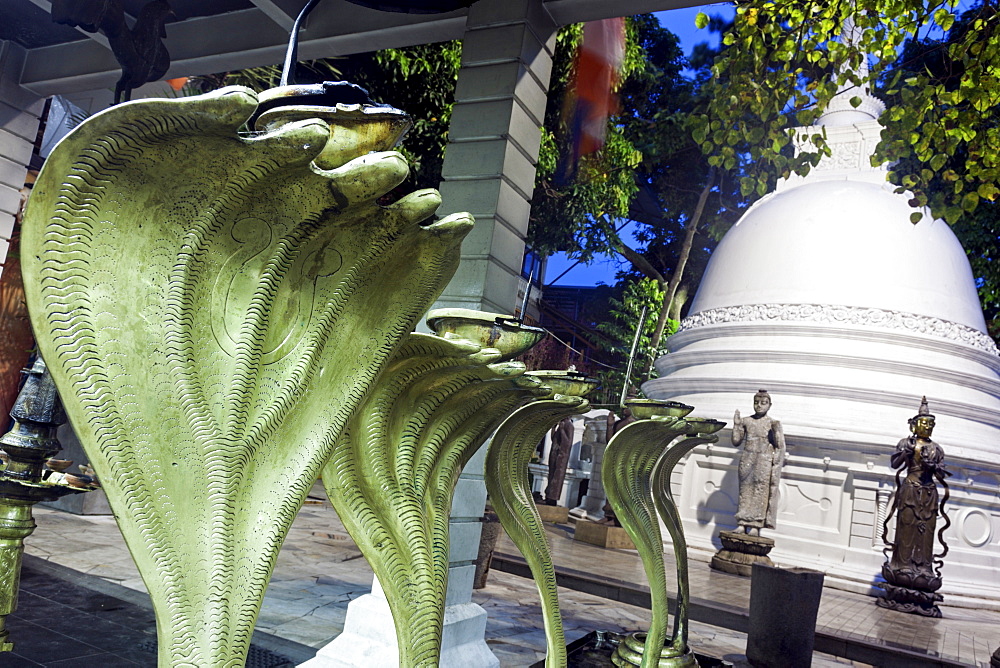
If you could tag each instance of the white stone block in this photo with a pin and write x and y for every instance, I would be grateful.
(464, 540)
(369, 637)
(470, 498)
(10, 200)
(18, 122)
(14, 147)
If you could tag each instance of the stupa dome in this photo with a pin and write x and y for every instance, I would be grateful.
(842, 242)
(826, 295)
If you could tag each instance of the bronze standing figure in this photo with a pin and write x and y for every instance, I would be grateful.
(912, 571)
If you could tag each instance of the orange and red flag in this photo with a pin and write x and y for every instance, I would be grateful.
(591, 98)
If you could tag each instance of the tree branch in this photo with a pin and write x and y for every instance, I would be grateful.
(639, 262)
(675, 279)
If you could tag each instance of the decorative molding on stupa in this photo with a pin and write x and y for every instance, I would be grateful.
(683, 359)
(851, 149)
(844, 315)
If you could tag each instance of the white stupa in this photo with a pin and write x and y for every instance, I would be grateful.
(826, 295)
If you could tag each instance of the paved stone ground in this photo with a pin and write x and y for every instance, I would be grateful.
(320, 570)
(963, 636)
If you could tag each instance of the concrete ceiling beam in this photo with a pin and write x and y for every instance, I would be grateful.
(254, 37)
(276, 13)
(46, 6)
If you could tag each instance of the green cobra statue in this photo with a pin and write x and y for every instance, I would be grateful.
(636, 472)
(213, 305)
(393, 471)
(666, 507)
(507, 482)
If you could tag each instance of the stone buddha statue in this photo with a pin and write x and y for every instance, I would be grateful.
(763, 444)
(759, 472)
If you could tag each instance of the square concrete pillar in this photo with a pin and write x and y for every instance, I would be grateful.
(494, 139)
(489, 171)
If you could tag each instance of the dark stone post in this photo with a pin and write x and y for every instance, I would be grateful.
(783, 607)
(562, 444)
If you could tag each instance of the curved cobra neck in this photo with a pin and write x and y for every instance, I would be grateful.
(507, 483)
(667, 509)
(393, 472)
(629, 460)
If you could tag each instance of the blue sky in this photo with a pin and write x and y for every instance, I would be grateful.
(681, 23)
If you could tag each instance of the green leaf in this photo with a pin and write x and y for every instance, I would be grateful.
(916, 217)
(970, 202)
(855, 101)
(944, 18)
(701, 21)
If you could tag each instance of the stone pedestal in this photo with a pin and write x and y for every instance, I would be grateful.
(553, 514)
(912, 601)
(740, 551)
(571, 483)
(603, 535)
(592, 504)
(94, 503)
(783, 608)
(995, 659)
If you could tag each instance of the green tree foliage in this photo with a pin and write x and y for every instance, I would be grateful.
(580, 217)
(650, 151)
(421, 81)
(979, 231)
(980, 236)
(787, 59)
(624, 311)
(261, 78)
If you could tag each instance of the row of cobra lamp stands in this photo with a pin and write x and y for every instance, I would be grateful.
(394, 466)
